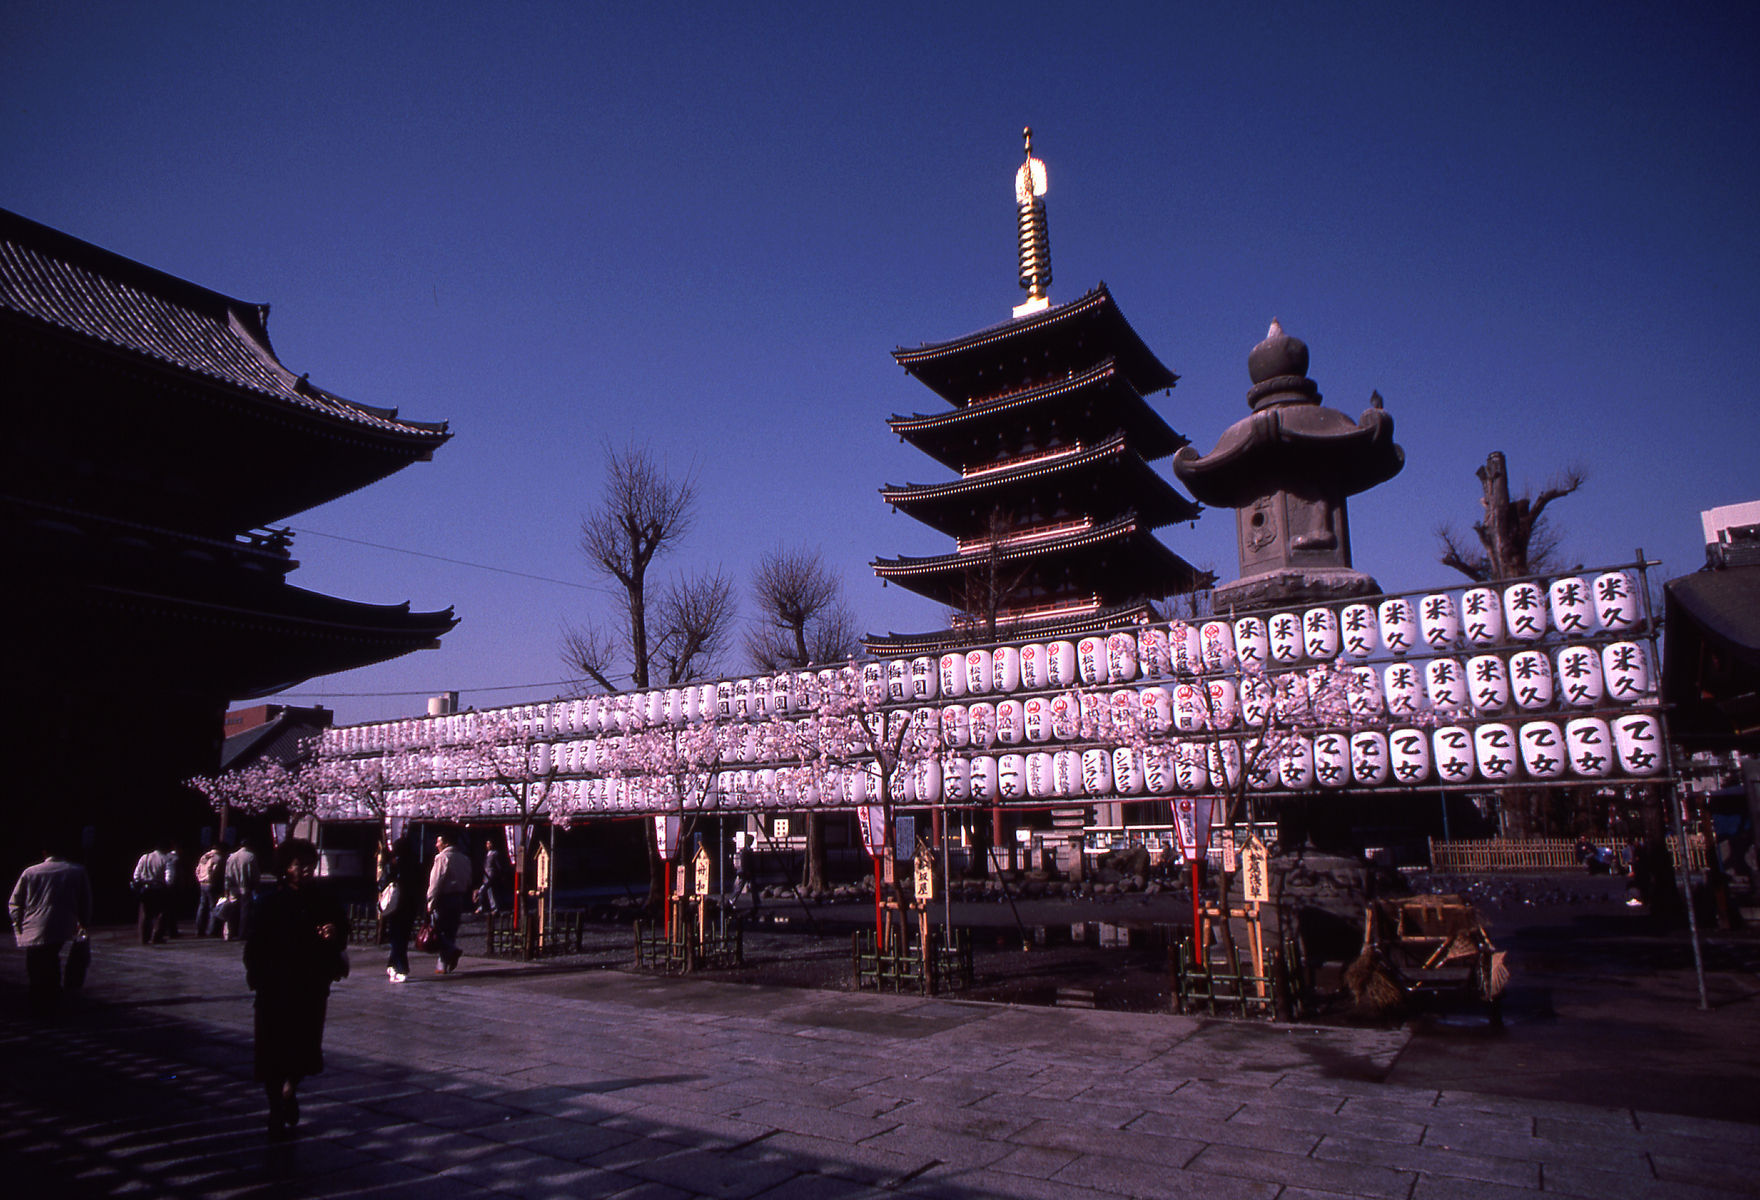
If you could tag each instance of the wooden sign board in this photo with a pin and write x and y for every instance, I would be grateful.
(701, 871)
(1256, 872)
(1228, 855)
(924, 872)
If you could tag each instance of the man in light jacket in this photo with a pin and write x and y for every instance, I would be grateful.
(51, 904)
(449, 889)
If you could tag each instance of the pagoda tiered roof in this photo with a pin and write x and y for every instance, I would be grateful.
(1100, 481)
(973, 633)
(1048, 346)
(1086, 406)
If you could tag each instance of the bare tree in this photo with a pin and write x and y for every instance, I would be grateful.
(990, 586)
(802, 620)
(1515, 538)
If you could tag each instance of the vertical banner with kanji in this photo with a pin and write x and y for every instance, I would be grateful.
(666, 834)
(872, 819)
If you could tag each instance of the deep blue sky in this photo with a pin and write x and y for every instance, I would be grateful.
(703, 227)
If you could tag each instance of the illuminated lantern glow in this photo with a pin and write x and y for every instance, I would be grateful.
(1579, 677)
(1524, 612)
(1332, 760)
(1011, 729)
(1399, 626)
(1637, 739)
(1482, 616)
(1589, 745)
(1006, 664)
(1496, 752)
(1357, 631)
(980, 672)
(1285, 633)
(1121, 657)
(1408, 756)
(1625, 671)
(1097, 772)
(1252, 644)
(1488, 683)
(1320, 634)
(1369, 760)
(1446, 685)
(1616, 602)
(1439, 622)
(981, 721)
(953, 676)
(1061, 657)
(983, 778)
(1127, 771)
(925, 679)
(1216, 645)
(1091, 660)
(1573, 606)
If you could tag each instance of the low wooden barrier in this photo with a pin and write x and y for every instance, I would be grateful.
(1540, 854)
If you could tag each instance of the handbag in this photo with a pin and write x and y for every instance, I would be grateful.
(425, 937)
(79, 961)
(390, 896)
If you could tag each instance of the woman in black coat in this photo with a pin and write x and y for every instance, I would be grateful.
(293, 955)
(403, 867)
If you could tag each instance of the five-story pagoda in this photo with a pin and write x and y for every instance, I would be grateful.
(1054, 511)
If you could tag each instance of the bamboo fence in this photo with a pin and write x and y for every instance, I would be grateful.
(1540, 854)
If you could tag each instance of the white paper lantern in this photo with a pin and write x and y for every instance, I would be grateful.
(1625, 671)
(1369, 760)
(956, 778)
(1295, 765)
(656, 709)
(1035, 668)
(1097, 772)
(1091, 660)
(1160, 768)
(953, 676)
(1185, 648)
(1408, 756)
(751, 739)
(1191, 707)
(925, 680)
(1637, 738)
(1573, 606)
(955, 726)
(926, 776)
(1290, 697)
(981, 721)
(1216, 645)
(764, 699)
(1482, 616)
(1320, 634)
(1152, 651)
(1285, 633)
(1127, 771)
(1617, 603)
(1590, 746)
(1332, 760)
(1037, 719)
(1439, 622)
(1524, 612)
(1006, 664)
(983, 778)
(1543, 749)
(1223, 760)
(1124, 715)
(1363, 692)
(1496, 752)
(1357, 631)
(1011, 722)
(1530, 679)
(1399, 626)
(1061, 657)
(1579, 676)
(1157, 705)
(1252, 644)
(1066, 716)
(980, 673)
(1225, 703)
(1012, 776)
(898, 680)
(1258, 700)
(1403, 686)
(1453, 749)
(706, 708)
(1121, 657)
(1041, 778)
(1488, 683)
(1446, 685)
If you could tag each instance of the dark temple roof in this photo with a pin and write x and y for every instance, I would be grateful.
(1030, 350)
(49, 277)
(942, 640)
(1711, 664)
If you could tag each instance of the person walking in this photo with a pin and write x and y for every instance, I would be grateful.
(449, 889)
(211, 882)
(149, 886)
(51, 903)
(174, 878)
(295, 951)
(494, 874)
(401, 881)
(243, 873)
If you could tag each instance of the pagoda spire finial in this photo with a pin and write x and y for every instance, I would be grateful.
(1035, 240)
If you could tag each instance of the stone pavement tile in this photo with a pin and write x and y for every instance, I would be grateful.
(871, 1105)
(812, 1120)
(1740, 1148)
(1355, 1179)
(1436, 1187)
(1497, 1144)
(1378, 1128)
(1273, 1097)
(1165, 1151)
(518, 1171)
(681, 1127)
(1443, 1125)
(1077, 1111)
(380, 1181)
(949, 1092)
(419, 1145)
(1036, 1161)
(694, 1096)
(823, 1187)
(1400, 1108)
(943, 1145)
(1522, 1106)
(1573, 1179)
(950, 1181)
(1739, 1132)
(726, 1174)
(641, 1189)
(1198, 1128)
(441, 1109)
(1731, 1176)
(556, 1136)
(1593, 1132)
(990, 1118)
(829, 1157)
(1123, 1177)
(1431, 1160)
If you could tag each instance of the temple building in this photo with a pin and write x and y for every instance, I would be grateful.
(1054, 511)
(153, 439)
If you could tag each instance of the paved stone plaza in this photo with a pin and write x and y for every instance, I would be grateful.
(514, 1081)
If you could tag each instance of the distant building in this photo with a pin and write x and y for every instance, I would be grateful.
(1732, 534)
(153, 438)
